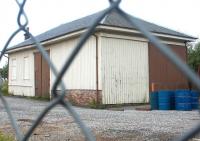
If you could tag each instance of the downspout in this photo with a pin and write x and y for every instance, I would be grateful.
(8, 70)
(185, 42)
(97, 72)
(188, 81)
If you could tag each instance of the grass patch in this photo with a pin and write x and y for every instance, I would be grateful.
(4, 137)
(28, 97)
(94, 105)
(4, 88)
(38, 98)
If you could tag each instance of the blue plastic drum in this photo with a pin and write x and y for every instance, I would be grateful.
(165, 99)
(183, 100)
(195, 99)
(154, 100)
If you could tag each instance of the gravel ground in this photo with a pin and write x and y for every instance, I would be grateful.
(129, 125)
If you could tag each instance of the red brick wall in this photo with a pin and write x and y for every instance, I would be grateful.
(83, 97)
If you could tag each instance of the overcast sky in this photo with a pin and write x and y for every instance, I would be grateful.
(180, 15)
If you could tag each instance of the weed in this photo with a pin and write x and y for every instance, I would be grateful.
(4, 88)
(93, 104)
(37, 98)
(4, 137)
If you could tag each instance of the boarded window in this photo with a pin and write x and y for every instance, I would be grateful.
(26, 68)
(14, 69)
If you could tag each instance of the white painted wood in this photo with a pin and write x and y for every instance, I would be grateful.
(81, 75)
(100, 62)
(23, 69)
(26, 68)
(82, 72)
(125, 73)
(118, 36)
(14, 69)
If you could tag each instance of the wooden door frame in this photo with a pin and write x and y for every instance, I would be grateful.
(42, 64)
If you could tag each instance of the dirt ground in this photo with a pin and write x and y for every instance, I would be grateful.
(123, 124)
(52, 132)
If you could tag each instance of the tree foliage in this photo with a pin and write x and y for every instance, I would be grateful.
(194, 56)
(4, 71)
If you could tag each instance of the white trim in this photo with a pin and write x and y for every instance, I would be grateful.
(117, 29)
(173, 43)
(137, 39)
(173, 37)
(33, 75)
(100, 27)
(13, 69)
(20, 48)
(122, 37)
(70, 35)
(50, 75)
(26, 69)
(136, 31)
(19, 85)
(51, 41)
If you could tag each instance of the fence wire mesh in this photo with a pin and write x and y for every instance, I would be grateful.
(59, 98)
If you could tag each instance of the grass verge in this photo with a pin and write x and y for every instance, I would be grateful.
(4, 137)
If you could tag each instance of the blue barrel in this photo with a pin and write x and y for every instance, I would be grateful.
(183, 100)
(195, 99)
(172, 100)
(165, 99)
(154, 100)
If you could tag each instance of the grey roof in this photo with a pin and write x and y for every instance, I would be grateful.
(112, 19)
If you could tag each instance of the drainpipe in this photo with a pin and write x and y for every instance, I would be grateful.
(97, 72)
(8, 68)
(189, 82)
(186, 52)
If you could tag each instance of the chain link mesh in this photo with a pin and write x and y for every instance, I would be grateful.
(59, 99)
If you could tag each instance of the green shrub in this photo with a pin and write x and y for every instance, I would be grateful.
(4, 88)
(38, 98)
(94, 105)
(4, 137)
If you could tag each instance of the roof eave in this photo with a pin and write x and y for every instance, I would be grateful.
(99, 28)
(49, 41)
(132, 30)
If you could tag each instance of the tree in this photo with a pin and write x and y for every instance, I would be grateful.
(194, 56)
(4, 71)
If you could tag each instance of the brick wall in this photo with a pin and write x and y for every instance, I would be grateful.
(83, 97)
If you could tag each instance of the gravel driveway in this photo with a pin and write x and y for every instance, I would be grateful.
(128, 125)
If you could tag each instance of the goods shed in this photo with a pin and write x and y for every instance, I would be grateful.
(116, 65)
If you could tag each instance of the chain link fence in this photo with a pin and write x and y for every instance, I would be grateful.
(59, 98)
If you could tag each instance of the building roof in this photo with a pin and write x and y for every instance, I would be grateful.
(112, 19)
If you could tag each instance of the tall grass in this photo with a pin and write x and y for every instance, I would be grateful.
(4, 88)
(4, 137)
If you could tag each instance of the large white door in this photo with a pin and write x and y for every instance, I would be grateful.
(125, 73)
